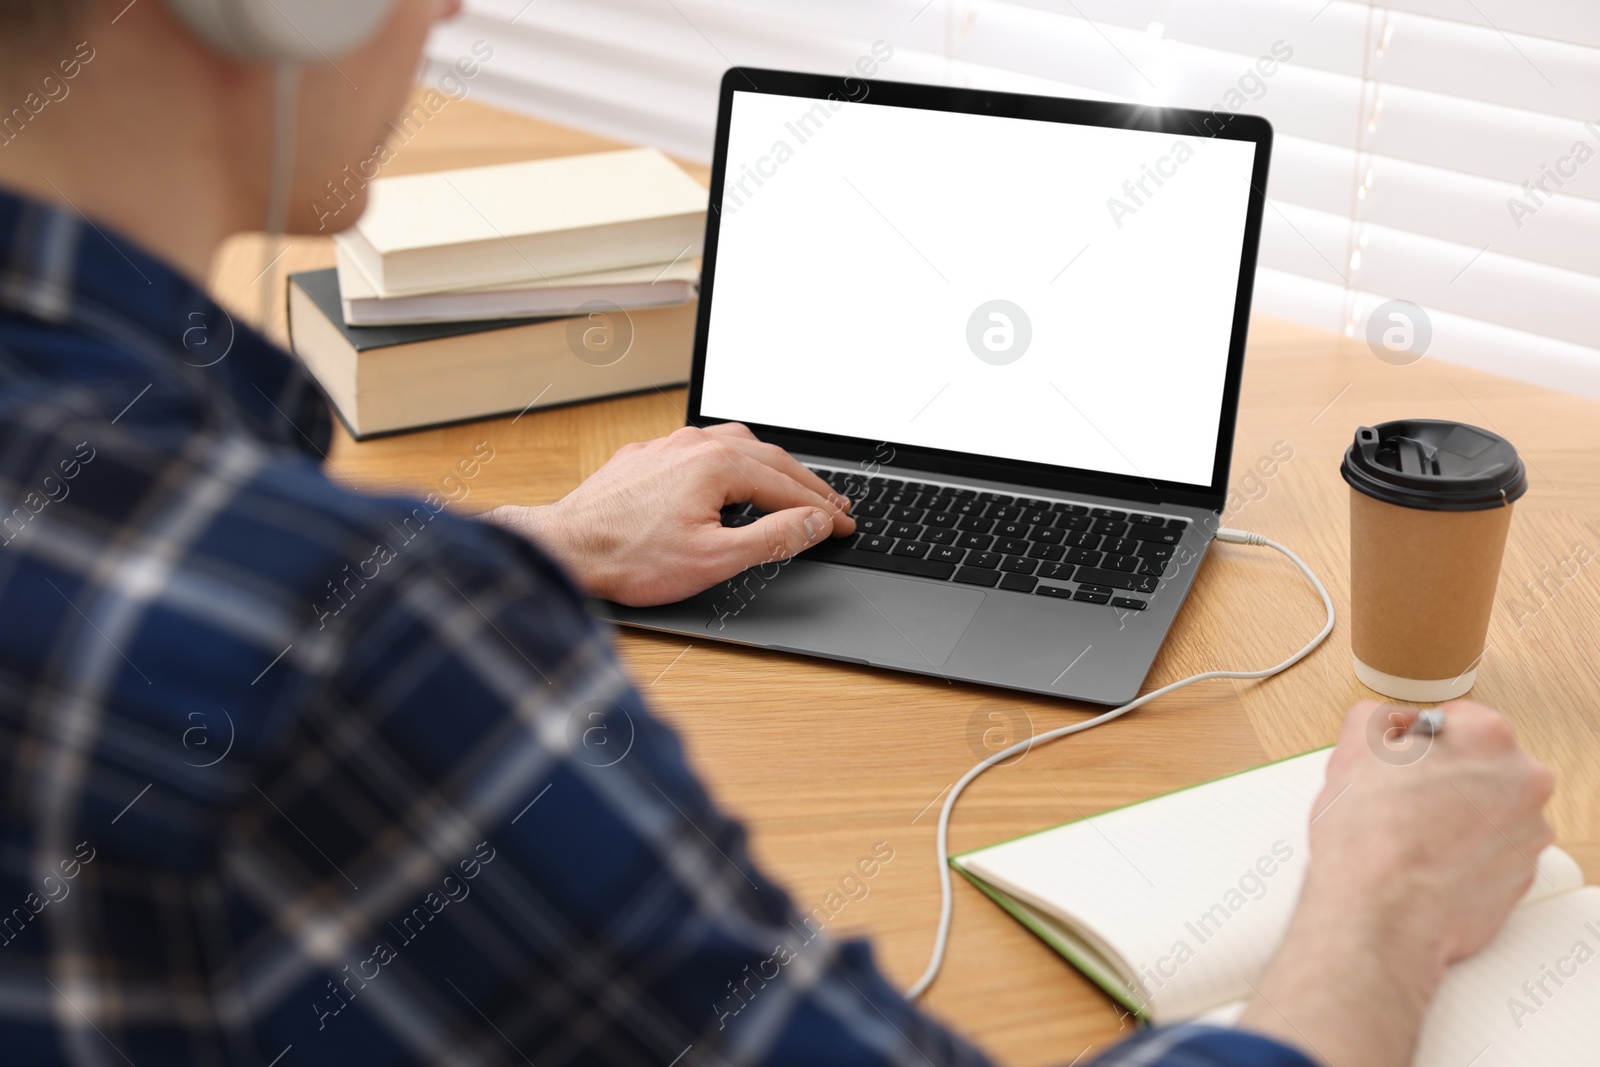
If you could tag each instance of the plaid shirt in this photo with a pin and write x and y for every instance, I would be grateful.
(295, 775)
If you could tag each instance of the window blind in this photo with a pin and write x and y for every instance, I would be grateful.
(1443, 152)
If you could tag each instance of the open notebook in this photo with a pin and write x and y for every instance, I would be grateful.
(1175, 906)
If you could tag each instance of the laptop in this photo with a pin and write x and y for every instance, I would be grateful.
(1010, 329)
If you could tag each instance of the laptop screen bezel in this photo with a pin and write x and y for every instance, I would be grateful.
(852, 450)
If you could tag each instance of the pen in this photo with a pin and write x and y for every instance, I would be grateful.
(1428, 722)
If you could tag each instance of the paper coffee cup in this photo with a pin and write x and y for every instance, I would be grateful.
(1430, 506)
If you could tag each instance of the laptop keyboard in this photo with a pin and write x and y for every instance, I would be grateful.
(1051, 548)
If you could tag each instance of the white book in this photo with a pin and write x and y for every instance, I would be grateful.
(1176, 906)
(632, 288)
(519, 223)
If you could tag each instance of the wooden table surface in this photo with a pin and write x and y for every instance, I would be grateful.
(824, 760)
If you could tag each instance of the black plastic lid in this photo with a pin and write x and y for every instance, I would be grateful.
(1434, 465)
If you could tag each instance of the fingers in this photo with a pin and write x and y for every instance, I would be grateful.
(1355, 722)
(770, 539)
(731, 429)
(738, 437)
(728, 462)
(785, 464)
(1353, 736)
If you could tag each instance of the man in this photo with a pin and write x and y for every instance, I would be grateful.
(398, 836)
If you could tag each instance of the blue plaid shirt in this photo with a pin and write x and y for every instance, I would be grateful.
(295, 775)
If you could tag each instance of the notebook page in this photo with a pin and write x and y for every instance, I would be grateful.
(1192, 891)
(1531, 997)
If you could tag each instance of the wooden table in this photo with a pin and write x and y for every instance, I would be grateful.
(824, 760)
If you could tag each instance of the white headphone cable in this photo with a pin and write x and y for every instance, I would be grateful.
(280, 178)
(946, 899)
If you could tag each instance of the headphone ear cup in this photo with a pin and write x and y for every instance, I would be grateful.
(283, 30)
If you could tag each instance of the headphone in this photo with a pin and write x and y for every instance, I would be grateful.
(285, 31)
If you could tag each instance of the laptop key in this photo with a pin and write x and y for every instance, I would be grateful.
(1152, 550)
(973, 524)
(876, 543)
(1091, 597)
(1033, 503)
(1126, 564)
(1018, 583)
(1081, 540)
(1011, 546)
(870, 510)
(1047, 535)
(1073, 522)
(1122, 546)
(1157, 567)
(1019, 564)
(1084, 557)
(1003, 513)
(1161, 535)
(967, 506)
(1037, 516)
(947, 554)
(946, 519)
(1063, 508)
(836, 552)
(1135, 583)
(986, 560)
(1177, 524)
(905, 513)
(1060, 592)
(1061, 572)
(1139, 519)
(936, 536)
(914, 549)
(1049, 552)
(1109, 513)
(973, 576)
(1012, 528)
(980, 542)
(1110, 527)
(872, 526)
(1128, 603)
(909, 530)
(996, 498)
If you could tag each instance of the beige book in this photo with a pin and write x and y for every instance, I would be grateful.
(1175, 907)
(526, 222)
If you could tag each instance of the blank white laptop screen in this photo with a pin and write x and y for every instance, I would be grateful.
(1038, 291)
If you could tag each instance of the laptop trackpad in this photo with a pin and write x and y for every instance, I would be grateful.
(847, 612)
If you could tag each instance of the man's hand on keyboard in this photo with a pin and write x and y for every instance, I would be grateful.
(647, 527)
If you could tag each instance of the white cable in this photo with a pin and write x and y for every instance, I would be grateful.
(946, 899)
(280, 180)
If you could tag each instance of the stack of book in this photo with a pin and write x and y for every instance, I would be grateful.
(473, 293)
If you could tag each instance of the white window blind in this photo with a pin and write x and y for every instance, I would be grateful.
(1445, 152)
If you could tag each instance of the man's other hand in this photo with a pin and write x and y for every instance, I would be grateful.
(1420, 849)
(647, 529)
